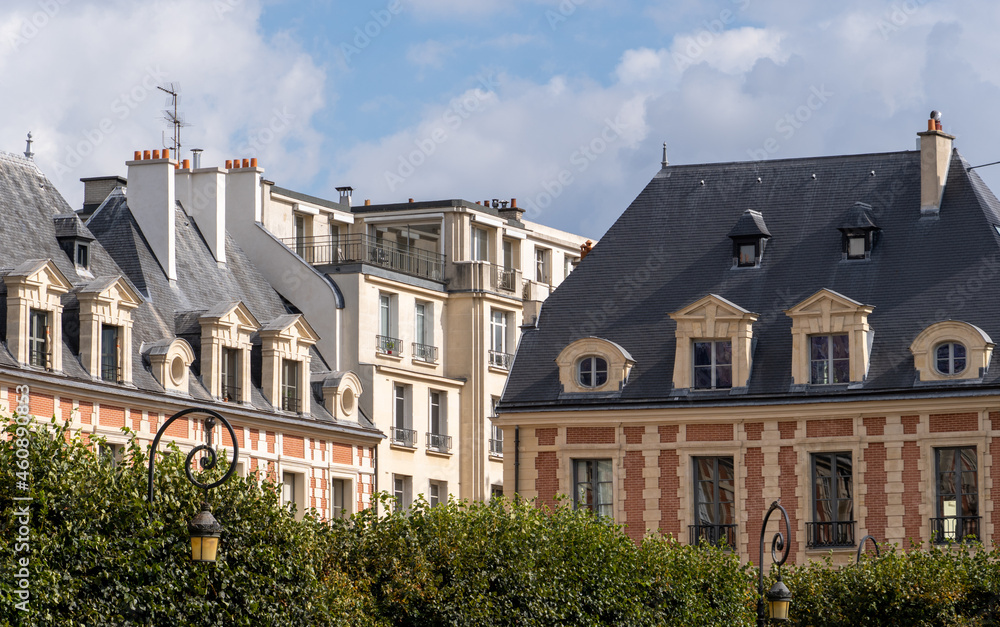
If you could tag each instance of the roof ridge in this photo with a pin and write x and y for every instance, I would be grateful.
(716, 164)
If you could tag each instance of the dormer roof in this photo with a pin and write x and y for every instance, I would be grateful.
(860, 217)
(749, 225)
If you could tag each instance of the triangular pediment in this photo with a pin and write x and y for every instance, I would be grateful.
(41, 271)
(291, 325)
(714, 306)
(115, 288)
(231, 313)
(825, 301)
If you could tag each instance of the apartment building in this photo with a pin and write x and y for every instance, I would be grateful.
(124, 313)
(816, 330)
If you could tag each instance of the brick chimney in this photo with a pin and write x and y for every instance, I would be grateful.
(151, 199)
(935, 157)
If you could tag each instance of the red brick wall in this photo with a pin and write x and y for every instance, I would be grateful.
(40, 405)
(633, 435)
(943, 423)
(875, 426)
(113, 416)
(910, 424)
(294, 446)
(875, 480)
(86, 412)
(228, 441)
(669, 486)
(668, 433)
(136, 417)
(546, 437)
(787, 483)
(995, 452)
(754, 503)
(254, 437)
(634, 503)
(589, 435)
(911, 494)
(709, 433)
(342, 453)
(270, 437)
(755, 430)
(787, 429)
(177, 429)
(995, 420)
(838, 427)
(547, 484)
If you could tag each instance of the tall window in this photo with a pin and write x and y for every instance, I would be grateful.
(385, 314)
(436, 419)
(592, 482)
(230, 375)
(339, 494)
(110, 353)
(420, 323)
(508, 254)
(402, 434)
(496, 433)
(714, 501)
(386, 342)
(335, 252)
(288, 489)
(300, 235)
(83, 256)
(829, 359)
(38, 338)
(401, 485)
(542, 265)
(437, 493)
(713, 364)
(593, 372)
(290, 393)
(748, 255)
(950, 358)
(480, 244)
(833, 501)
(957, 494)
(498, 323)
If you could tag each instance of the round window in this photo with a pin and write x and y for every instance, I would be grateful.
(177, 368)
(593, 372)
(347, 401)
(950, 358)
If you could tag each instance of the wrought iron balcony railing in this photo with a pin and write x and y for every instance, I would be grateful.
(483, 276)
(501, 360)
(438, 442)
(111, 372)
(425, 352)
(723, 535)
(386, 345)
(290, 403)
(40, 358)
(404, 437)
(231, 393)
(328, 250)
(496, 447)
(954, 528)
(830, 534)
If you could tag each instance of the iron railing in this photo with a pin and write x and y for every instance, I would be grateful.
(111, 372)
(496, 447)
(327, 249)
(501, 360)
(290, 403)
(482, 276)
(386, 345)
(506, 278)
(723, 535)
(425, 352)
(438, 442)
(231, 393)
(834, 533)
(404, 437)
(954, 528)
(40, 358)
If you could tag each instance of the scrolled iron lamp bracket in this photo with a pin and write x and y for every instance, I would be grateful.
(778, 597)
(861, 547)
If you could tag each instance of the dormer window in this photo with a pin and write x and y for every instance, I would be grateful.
(713, 364)
(74, 239)
(38, 339)
(34, 313)
(106, 306)
(950, 358)
(829, 359)
(831, 340)
(110, 349)
(950, 350)
(714, 345)
(593, 372)
(593, 364)
(858, 231)
(749, 235)
(83, 255)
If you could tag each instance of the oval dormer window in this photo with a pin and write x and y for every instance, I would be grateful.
(593, 372)
(950, 358)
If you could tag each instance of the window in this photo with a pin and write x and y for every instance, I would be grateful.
(950, 358)
(110, 360)
(335, 253)
(856, 246)
(568, 264)
(437, 493)
(829, 359)
(402, 434)
(386, 342)
(542, 265)
(499, 339)
(496, 433)
(288, 492)
(423, 347)
(111, 454)
(480, 244)
(592, 483)
(420, 322)
(385, 314)
(957, 495)
(593, 372)
(38, 339)
(83, 255)
(300, 235)
(437, 435)
(230, 375)
(290, 400)
(496, 491)
(747, 255)
(713, 364)
(833, 501)
(508, 254)
(401, 485)
(714, 501)
(338, 494)
(436, 419)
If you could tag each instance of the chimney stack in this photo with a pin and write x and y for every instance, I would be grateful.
(243, 196)
(202, 192)
(935, 157)
(151, 199)
(345, 195)
(196, 155)
(510, 213)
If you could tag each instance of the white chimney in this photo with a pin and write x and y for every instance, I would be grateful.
(151, 200)
(202, 192)
(345, 195)
(935, 157)
(243, 199)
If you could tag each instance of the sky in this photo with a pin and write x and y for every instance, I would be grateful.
(562, 104)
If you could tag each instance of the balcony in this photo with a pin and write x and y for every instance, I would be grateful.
(328, 250)
(723, 535)
(496, 447)
(40, 358)
(830, 534)
(231, 393)
(438, 443)
(501, 360)
(425, 352)
(290, 403)
(404, 437)
(385, 345)
(954, 529)
(482, 276)
(111, 372)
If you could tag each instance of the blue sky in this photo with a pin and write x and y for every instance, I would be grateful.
(563, 104)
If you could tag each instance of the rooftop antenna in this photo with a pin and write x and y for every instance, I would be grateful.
(171, 115)
(27, 150)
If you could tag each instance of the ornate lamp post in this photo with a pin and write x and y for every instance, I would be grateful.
(779, 598)
(205, 530)
(861, 547)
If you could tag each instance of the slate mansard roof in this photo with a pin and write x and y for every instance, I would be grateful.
(35, 215)
(671, 248)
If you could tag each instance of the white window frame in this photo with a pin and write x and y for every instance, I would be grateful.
(480, 244)
(402, 491)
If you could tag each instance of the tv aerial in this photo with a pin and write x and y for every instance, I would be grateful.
(172, 117)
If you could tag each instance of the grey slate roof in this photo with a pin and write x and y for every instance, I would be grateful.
(670, 248)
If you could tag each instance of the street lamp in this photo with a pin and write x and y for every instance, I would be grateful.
(205, 530)
(861, 547)
(779, 598)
